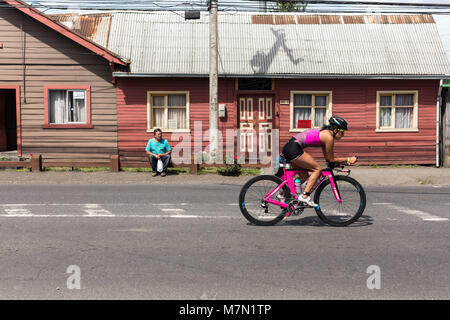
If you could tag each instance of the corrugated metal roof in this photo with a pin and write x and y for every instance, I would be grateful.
(162, 43)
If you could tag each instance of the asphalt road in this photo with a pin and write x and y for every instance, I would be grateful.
(191, 242)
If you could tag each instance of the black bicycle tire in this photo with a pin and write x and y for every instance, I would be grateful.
(355, 217)
(243, 209)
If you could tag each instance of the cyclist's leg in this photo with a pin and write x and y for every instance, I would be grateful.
(306, 161)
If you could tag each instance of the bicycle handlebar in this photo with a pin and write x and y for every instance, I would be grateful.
(332, 165)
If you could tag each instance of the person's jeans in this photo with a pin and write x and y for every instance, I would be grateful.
(154, 162)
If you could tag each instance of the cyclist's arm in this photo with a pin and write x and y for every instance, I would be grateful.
(328, 150)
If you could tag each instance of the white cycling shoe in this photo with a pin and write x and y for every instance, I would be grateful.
(308, 201)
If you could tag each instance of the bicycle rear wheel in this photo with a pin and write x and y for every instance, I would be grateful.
(253, 206)
(340, 214)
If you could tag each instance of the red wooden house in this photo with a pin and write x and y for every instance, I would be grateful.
(277, 71)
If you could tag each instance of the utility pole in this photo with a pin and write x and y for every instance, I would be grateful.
(213, 82)
(263, 6)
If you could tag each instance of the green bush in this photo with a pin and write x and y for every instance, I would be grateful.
(230, 170)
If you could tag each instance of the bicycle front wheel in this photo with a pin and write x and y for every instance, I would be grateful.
(340, 214)
(253, 206)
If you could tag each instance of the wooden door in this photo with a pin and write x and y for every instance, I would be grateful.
(255, 124)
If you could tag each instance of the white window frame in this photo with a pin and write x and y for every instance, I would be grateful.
(329, 108)
(392, 128)
(150, 126)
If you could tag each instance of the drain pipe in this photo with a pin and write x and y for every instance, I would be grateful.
(438, 121)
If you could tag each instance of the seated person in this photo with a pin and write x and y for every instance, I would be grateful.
(158, 148)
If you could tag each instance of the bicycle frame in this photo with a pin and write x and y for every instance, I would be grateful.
(288, 178)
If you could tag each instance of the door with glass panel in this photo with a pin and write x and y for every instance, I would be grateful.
(255, 124)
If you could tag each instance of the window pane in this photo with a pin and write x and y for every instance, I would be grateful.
(404, 99)
(404, 117)
(320, 101)
(303, 100)
(57, 106)
(177, 118)
(158, 101)
(176, 100)
(158, 117)
(254, 84)
(320, 116)
(301, 114)
(385, 101)
(385, 117)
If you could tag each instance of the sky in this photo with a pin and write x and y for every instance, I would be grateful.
(223, 4)
(441, 16)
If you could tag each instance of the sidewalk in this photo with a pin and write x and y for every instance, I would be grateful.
(414, 176)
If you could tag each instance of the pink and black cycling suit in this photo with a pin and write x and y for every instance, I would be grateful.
(294, 147)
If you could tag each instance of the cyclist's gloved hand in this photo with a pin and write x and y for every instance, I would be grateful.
(352, 160)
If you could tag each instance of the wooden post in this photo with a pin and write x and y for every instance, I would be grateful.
(194, 168)
(36, 163)
(115, 163)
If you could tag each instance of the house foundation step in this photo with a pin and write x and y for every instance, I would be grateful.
(9, 156)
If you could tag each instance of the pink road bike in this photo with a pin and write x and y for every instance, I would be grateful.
(265, 200)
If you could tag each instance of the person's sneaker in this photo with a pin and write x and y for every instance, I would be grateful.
(280, 197)
(307, 201)
(163, 174)
(154, 174)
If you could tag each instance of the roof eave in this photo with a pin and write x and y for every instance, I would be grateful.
(284, 76)
(60, 28)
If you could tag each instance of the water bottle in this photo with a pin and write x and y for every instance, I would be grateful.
(298, 186)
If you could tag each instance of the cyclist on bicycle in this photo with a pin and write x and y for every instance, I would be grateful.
(324, 137)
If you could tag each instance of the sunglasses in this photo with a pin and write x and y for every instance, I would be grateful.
(340, 130)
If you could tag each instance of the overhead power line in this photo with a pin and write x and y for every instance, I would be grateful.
(368, 2)
(314, 6)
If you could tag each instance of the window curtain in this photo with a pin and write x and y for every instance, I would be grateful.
(57, 103)
(386, 101)
(301, 114)
(320, 115)
(320, 101)
(176, 100)
(404, 117)
(79, 112)
(404, 99)
(177, 118)
(158, 117)
(303, 100)
(77, 106)
(158, 101)
(385, 117)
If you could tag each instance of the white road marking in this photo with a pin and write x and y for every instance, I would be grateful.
(95, 210)
(172, 210)
(173, 216)
(17, 210)
(425, 216)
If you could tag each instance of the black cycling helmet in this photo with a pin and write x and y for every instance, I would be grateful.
(338, 122)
